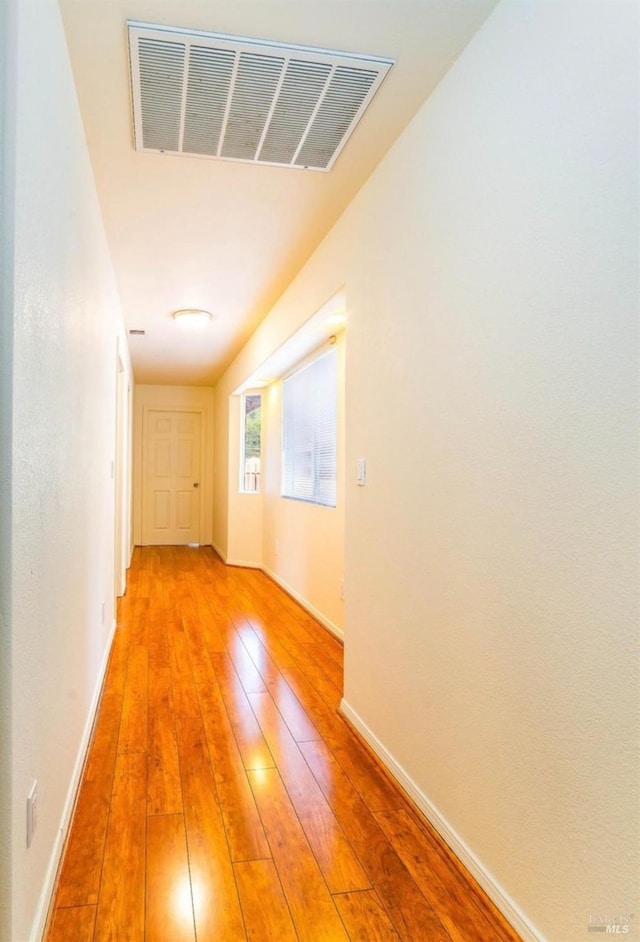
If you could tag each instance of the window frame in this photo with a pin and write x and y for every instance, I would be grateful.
(242, 472)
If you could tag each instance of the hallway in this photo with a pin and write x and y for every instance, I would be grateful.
(224, 798)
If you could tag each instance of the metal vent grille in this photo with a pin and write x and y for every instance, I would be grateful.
(206, 95)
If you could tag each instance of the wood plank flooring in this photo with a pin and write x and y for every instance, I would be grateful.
(224, 798)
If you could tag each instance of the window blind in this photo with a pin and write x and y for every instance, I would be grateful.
(309, 432)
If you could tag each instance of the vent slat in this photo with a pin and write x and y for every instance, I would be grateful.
(343, 100)
(161, 77)
(299, 95)
(210, 72)
(215, 96)
(252, 96)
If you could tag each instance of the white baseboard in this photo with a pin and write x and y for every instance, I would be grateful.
(329, 625)
(308, 607)
(42, 909)
(241, 563)
(496, 893)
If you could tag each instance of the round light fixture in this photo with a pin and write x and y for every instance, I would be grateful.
(192, 318)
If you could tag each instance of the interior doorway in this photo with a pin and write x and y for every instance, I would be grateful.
(172, 451)
(121, 537)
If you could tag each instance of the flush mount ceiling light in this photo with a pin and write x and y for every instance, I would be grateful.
(204, 94)
(192, 318)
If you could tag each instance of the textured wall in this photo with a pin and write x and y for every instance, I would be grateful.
(492, 617)
(300, 544)
(491, 561)
(66, 321)
(220, 530)
(7, 172)
(304, 543)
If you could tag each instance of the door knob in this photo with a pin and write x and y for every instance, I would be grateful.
(196, 484)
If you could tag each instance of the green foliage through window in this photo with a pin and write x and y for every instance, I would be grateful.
(251, 443)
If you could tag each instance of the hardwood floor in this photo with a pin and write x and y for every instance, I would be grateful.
(223, 796)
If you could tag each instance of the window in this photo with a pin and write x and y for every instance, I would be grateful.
(309, 432)
(250, 444)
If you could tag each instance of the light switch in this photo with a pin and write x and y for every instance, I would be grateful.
(361, 472)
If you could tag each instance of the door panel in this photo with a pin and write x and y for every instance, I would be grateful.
(184, 511)
(161, 510)
(185, 457)
(171, 478)
(162, 458)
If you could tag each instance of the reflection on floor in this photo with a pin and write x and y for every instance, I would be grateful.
(224, 798)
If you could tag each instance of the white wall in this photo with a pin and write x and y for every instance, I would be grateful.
(491, 560)
(123, 471)
(197, 399)
(221, 472)
(510, 247)
(300, 545)
(304, 543)
(61, 402)
(8, 33)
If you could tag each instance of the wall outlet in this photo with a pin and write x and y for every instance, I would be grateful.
(361, 472)
(342, 588)
(103, 609)
(32, 812)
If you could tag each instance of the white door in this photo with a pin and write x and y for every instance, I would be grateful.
(171, 478)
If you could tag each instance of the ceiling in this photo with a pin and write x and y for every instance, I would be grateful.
(229, 237)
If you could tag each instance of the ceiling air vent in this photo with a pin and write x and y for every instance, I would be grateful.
(208, 95)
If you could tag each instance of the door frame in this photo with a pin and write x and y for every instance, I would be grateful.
(121, 537)
(146, 409)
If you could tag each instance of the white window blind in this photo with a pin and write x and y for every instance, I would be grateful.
(309, 432)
